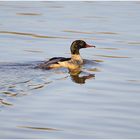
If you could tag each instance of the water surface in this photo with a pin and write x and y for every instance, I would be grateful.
(100, 102)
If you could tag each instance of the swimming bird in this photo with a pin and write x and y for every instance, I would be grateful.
(72, 63)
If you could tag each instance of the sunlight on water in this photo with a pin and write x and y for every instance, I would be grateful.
(101, 100)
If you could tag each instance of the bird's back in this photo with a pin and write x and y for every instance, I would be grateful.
(52, 62)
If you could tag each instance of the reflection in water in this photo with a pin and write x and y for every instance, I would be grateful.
(94, 69)
(75, 76)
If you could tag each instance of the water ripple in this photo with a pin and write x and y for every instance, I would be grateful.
(29, 14)
(40, 128)
(80, 32)
(134, 43)
(2, 102)
(31, 35)
(42, 36)
(112, 56)
(84, 32)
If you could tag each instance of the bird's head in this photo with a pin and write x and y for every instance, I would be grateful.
(77, 45)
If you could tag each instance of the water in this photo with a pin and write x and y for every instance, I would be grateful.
(101, 102)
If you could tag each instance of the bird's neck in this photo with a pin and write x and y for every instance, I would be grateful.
(77, 57)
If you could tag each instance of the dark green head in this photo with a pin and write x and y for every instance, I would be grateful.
(77, 45)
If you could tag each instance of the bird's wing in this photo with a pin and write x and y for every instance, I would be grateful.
(54, 60)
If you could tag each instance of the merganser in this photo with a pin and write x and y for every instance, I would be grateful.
(71, 63)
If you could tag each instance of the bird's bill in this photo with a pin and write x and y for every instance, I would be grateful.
(89, 46)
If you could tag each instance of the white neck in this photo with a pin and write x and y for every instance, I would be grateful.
(77, 57)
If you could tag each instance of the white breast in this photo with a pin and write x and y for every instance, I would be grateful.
(75, 62)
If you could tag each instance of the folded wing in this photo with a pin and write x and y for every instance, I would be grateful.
(52, 61)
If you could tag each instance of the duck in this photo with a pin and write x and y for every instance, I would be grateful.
(72, 63)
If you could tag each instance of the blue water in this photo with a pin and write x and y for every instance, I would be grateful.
(101, 102)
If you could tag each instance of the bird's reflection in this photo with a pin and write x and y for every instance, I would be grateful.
(75, 76)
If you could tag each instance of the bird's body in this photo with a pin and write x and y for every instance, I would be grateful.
(72, 63)
(56, 62)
